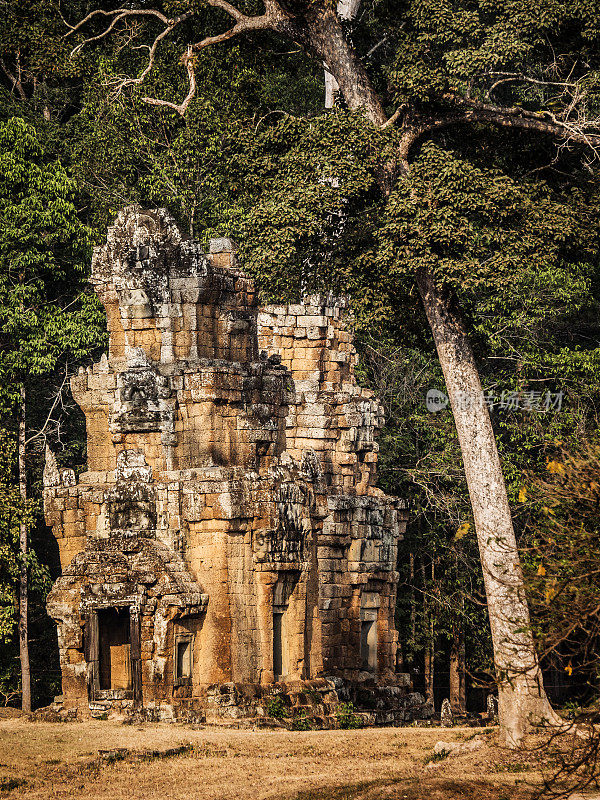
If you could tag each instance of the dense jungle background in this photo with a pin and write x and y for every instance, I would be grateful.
(257, 158)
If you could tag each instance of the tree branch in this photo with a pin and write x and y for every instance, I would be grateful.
(243, 23)
(181, 108)
(584, 132)
(121, 12)
(394, 118)
(14, 79)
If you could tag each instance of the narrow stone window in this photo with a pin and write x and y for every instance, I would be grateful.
(183, 659)
(279, 655)
(114, 637)
(368, 644)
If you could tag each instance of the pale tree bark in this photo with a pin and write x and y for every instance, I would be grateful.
(428, 668)
(323, 36)
(23, 577)
(522, 699)
(346, 10)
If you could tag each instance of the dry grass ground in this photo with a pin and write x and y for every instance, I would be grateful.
(44, 760)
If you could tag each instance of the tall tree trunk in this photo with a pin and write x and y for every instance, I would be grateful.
(457, 671)
(23, 578)
(428, 672)
(522, 699)
(413, 601)
(321, 33)
(429, 654)
(521, 694)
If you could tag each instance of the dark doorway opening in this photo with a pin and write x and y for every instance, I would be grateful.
(184, 659)
(279, 665)
(114, 634)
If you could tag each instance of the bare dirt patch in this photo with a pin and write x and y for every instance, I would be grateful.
(56, 761)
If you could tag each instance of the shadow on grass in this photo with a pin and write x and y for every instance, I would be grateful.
(434, 789)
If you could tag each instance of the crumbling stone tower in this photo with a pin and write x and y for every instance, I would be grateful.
(227, 531)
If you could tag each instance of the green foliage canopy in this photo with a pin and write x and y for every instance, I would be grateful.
(43, 245)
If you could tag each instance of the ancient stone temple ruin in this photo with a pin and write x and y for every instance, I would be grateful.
(227, 536)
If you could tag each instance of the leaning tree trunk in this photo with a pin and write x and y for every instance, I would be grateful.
(321, 33)
(522, 699)
(23, 578)
(346, 10)
(521, 694)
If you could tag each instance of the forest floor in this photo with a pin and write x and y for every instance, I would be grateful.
(167, 761)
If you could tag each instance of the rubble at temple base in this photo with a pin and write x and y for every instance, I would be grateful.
(227, 548)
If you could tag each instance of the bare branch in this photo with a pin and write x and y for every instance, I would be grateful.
(181, 108)
(119, 83)
(243, 24)
(394, 118)
(228, 9)
(117, 12)
(519, 76)
(58, 398)
(376, 46)
(104, 33)
(266, 21)
(251, 23)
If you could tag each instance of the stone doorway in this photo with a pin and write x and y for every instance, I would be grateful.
(114, 639)
(281, 640)
(113, 654)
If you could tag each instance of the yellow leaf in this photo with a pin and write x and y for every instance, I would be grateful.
(555, 468)
(522, 495)
(541, 570)
(569, 669)
(463, 530)
(547, 511)
(550, 590)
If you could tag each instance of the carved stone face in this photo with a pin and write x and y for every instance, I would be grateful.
(132, 515)
(139, 390)
(132, 503)
(132, 466)
(138, 401)
(287, 542)
(135, 304)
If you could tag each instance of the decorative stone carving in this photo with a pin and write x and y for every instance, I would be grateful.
(446, 717)
(51, 473)
(310, 466)
(132, 502)
(287, 543)
(132, 466)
